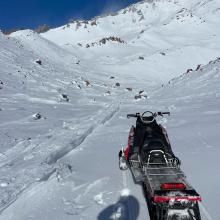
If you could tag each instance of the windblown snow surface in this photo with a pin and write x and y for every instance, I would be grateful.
(64, 96)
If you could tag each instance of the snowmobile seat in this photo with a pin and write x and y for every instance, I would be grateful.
(156, 157)
(151, 145)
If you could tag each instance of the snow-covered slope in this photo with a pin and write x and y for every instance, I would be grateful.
(48, 106)
(194, 128)
(64, 96)
(156, 35)
(87, 184)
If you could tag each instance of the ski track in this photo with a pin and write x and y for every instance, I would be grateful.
(206, 213)
(125, 193)
(124, 179)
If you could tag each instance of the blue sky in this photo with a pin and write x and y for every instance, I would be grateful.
(32, 13)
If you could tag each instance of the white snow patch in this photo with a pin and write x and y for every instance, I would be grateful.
(125, 192)
(4, 184)
(99, 199)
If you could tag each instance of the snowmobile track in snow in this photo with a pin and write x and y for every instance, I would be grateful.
(53, 158)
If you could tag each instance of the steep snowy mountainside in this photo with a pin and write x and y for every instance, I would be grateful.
(23, 54)
(153, 34)
(48, 105)
(202, 82)
(128, 22)
(194, 102)
(124, 24)
(39, 45)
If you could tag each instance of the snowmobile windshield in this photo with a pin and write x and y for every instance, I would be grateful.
(147, 120)
(147, 117)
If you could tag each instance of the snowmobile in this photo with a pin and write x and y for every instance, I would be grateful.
(153, 164)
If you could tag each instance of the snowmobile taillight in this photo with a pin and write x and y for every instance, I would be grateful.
(161, 199)
(173, 186)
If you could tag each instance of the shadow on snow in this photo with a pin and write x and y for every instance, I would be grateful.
(127, 208)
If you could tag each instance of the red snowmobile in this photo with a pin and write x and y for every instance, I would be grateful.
(152, 162)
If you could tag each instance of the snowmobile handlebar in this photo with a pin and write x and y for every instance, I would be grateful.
(151, 114)
(162, 113)
(133, 115)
